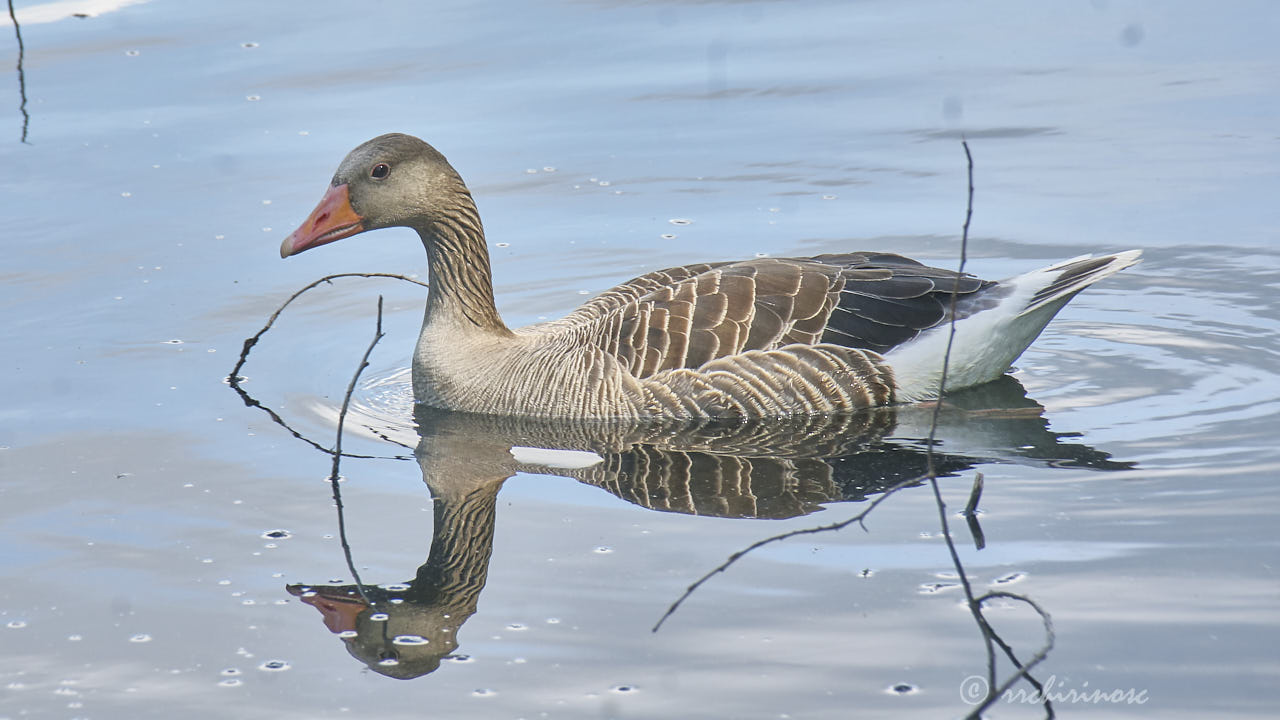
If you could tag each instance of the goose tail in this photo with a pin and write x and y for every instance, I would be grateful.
(989, 340)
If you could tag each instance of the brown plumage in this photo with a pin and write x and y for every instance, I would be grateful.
(763, 337)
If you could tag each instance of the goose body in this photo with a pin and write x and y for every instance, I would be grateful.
(755, 338)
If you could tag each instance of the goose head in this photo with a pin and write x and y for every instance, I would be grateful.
(392, 180)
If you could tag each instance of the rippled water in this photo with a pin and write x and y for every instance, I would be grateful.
(166, 549)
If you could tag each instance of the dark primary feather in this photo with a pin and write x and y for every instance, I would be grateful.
(685, 317)
(1076, 273)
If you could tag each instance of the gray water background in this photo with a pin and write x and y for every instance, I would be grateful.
(172, 145)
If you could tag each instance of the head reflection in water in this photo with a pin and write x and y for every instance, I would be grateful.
(398, 635)
(766, 469)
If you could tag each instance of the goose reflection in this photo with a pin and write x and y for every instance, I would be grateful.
(769, 469)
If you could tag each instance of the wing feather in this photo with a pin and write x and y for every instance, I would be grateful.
(689, 316)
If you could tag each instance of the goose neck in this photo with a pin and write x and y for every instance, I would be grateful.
(460, 275)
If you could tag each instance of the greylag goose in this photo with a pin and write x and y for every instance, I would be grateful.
(753, 338)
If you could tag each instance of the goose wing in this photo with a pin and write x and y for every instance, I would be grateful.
(688, 316)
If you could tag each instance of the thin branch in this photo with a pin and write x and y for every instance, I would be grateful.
(971, 513)
(1024, 669)
(951, 330)
(783, 536)
(22, 76)
(235, 378)
(337, 453)
(989, 635)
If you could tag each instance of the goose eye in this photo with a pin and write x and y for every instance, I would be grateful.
(380, 171)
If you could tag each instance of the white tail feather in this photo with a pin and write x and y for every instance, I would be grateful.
(986, 343)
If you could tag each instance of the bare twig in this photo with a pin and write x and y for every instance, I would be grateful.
(989, 635)
(1024, 669)
(783, 536)
(337, 454)
(22, 76)
(235, 378)
(951, 329)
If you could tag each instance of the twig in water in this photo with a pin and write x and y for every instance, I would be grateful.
(989, 635)
(1024, 669)
(337, 454)
(235, 378)
(783, 536)
(22, 76)
(971, 513)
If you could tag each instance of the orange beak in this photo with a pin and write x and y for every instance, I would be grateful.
(340, 612)
(333, 219)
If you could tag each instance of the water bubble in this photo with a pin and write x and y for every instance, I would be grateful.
(347, 634)
(132, 53)
(229, 672)
(667, 236)
(1012, 577)
(409, 640)
(16, 624)
(502, 244)
(483, 692)
(517, 626)
(549, 168)
(460, 659)
(230, 682)
(902, 689)
(173, 342)
(276, 534)
(249, 45)
(379, 617)
(623, 689)
(828, 197)
(604, 550)
(140, 638)
(126, 193)
(395, 587)
(253, 98)
(274, 666)
(680, 221)
(553, 621)
(75, 638)
(866, 573)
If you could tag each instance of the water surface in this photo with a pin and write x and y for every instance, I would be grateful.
(156, 532)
